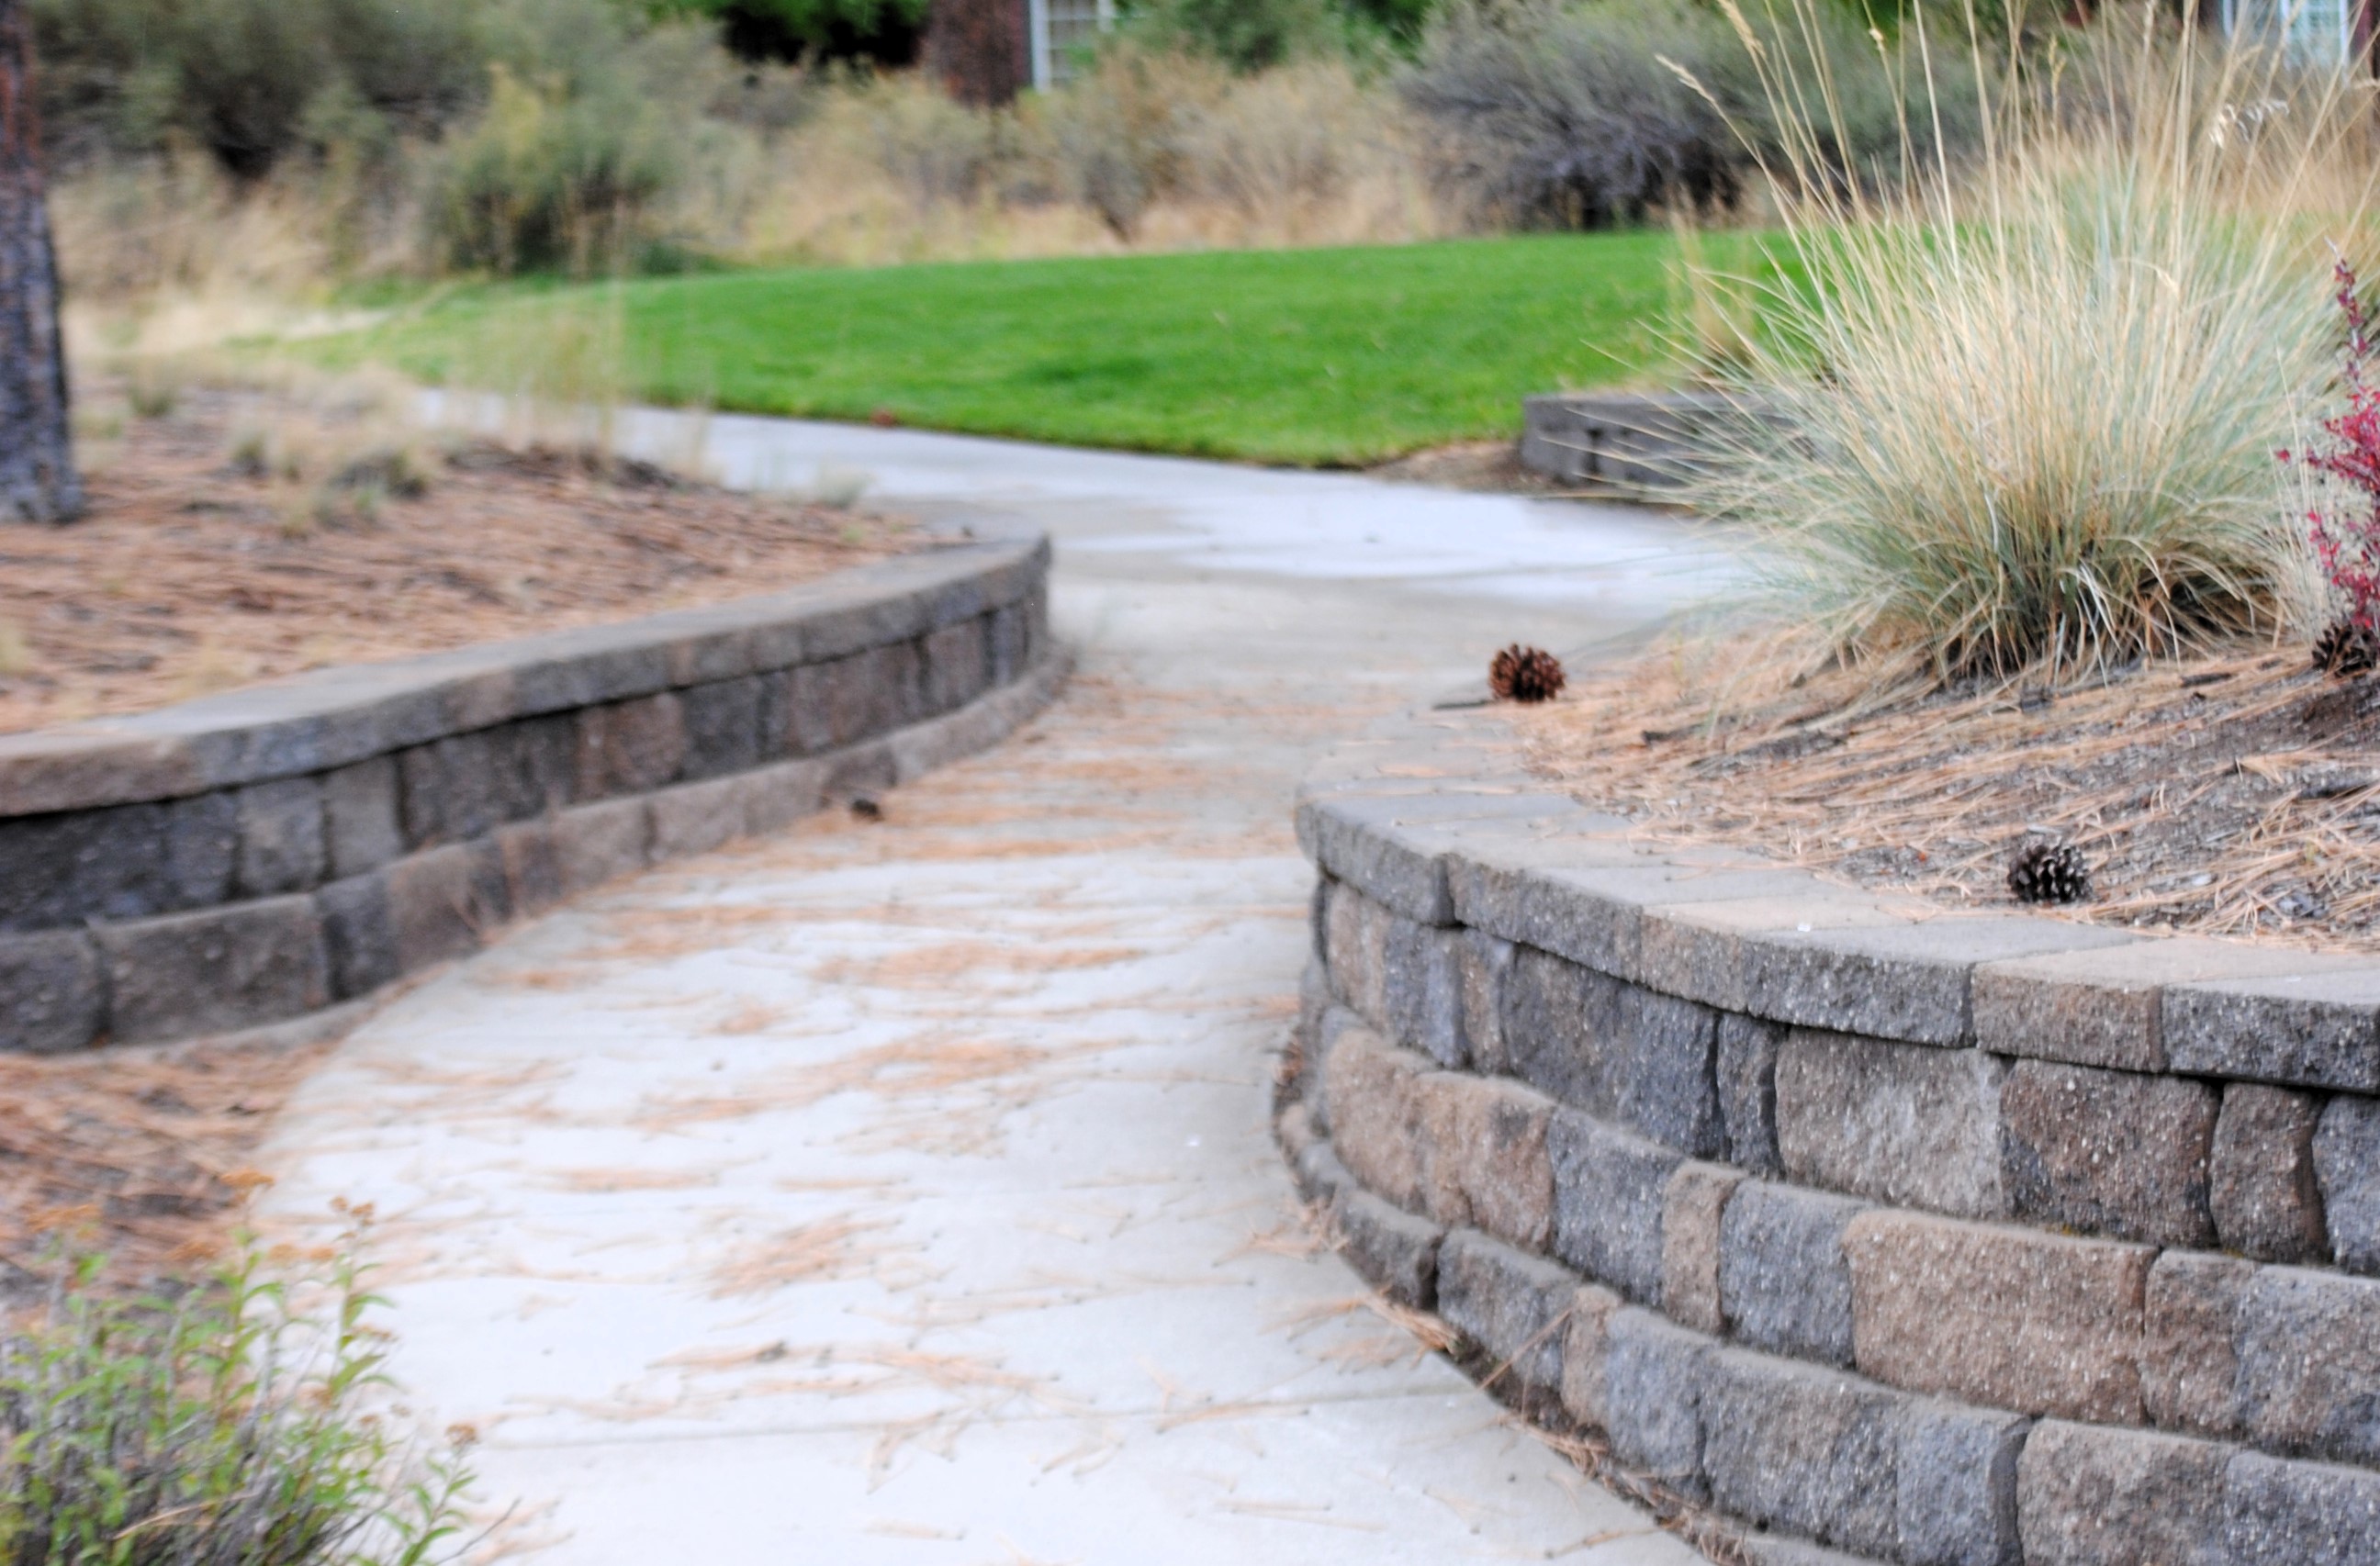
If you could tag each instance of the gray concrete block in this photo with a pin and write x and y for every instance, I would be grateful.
(52, 992)
(1784, 1549)
(1484, 963)
(723, 728)
(1559, 1021)
(1653, 1393)
(1355, 935)
(594, 843)
(443, 901)
(2103, 1007)
(1585, 900)
(1609, 1190)
(1373, 1106)
(127, 862)
(696, 818)
(359, 935)
(1513, 1305)
(532, 765)
(1955, 1495)
(213, 971)
(2189, 1342)
(361, 828)
(2308, 1364)
(628, 747)
(797, 710)
(1660, 1072)
(1807, 1450)
(1490, 1143)
(2107, 1152)
(1586, 1354)
(1746, 1069)
(2314, 1030)
(1693, 1208)
(532, 865)
(1007, 644)
(777, 797)
(1696, 949)
(2089, 1496)
(1908, 1124)
(1394, 1251)
(1422, 989)
(1909, 981)
(1785, 1285)
(2278, 1513)
(2263, 1186)
(2012, 1318)
(2346, 1153)
(957, 664)
(281, 839)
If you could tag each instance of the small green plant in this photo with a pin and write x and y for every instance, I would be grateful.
(227, 1426)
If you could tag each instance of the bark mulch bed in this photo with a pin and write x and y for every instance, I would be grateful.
(2235, 795)
(244, 536)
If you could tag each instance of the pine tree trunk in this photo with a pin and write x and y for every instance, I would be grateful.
(37, 483)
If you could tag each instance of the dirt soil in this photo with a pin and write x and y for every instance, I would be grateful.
(2237, 795)
(243, 537)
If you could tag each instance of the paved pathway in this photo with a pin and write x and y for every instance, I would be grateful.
(902, 1192)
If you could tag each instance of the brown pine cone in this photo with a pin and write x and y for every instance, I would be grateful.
(1525, 673)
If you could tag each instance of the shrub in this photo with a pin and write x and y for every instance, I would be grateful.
(2347, 548)
(2022, 415)
(1565, 116)
(1115, 135)
(1244, 35)
(583, 145)
(223, 1428)
(1571, 114)
(241, 78)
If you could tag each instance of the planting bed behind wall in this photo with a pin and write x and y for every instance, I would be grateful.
(255, 857)
(1887, 1234)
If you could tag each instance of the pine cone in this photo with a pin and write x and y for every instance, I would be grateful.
(2345, 648)
(2049, 872)
(1525, 673)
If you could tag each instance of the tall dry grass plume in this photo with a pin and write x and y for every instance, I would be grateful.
(2019, 411)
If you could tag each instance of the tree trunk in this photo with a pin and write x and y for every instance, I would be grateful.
(37, 483)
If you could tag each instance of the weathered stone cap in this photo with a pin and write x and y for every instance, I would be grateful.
(1436, 817)
(336, 716)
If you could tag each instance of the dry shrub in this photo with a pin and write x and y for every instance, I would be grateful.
(2024, 412)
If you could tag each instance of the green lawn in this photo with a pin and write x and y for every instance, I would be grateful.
(1306, 356)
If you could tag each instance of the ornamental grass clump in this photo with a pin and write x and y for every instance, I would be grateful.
(221, 1429)
(2019, 411)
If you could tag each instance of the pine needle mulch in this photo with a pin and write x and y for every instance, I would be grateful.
(138, 1152)
(2232, 796)
(249, 535)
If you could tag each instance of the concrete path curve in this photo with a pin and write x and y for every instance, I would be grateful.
(901, 1192)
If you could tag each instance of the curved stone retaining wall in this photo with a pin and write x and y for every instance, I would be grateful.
(1931, 1239)
(255, 858)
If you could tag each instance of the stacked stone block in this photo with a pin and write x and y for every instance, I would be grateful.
(1892, 1238)
(245, 861)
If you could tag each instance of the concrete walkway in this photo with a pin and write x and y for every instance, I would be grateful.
(902, 1191)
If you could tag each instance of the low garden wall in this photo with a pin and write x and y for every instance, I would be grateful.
(1882, 1232)
(242, 861)
(1623, 442)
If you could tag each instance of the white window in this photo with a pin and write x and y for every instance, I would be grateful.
(2318, 31)
(1058, 26)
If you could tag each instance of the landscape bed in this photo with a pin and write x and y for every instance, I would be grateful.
(1838, 1221)
(237, 536)
(2230, 794)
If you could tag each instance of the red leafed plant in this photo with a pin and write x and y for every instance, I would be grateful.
(2348, 546)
